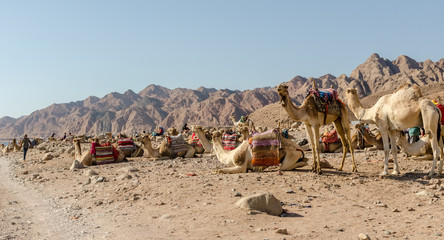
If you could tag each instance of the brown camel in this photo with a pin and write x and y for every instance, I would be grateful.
(392, 113)
(372, 141)
(313, 120)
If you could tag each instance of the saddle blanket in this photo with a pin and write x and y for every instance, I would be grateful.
(195, 140)
(177, 144)
(229, 141)
(125, 144)
(104, 155)
(327, 101)
(265, 148)
(330, 137)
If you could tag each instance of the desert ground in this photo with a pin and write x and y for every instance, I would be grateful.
(186, 199)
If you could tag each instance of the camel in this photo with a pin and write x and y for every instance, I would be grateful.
(313, 120)
(240, 159)
(371, 142)
(392, 113)
(419, 150)
(15, 146)
(163, 150)
(86, 158)
(206, 144)
(239, 124)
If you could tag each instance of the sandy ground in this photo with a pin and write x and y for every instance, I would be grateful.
(185, 199)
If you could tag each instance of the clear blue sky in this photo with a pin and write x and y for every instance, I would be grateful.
(63, 51)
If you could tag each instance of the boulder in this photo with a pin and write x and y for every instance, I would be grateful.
(47, 156)
(263, 202)
(76, 165)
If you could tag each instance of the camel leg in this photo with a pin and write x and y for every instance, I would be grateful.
(431, 118)
(291, 162)
(236, 169)
(394, 149)
(385, 141)
(313, 139)
(340, 131)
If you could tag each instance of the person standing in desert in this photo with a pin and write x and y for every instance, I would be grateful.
(25, 145)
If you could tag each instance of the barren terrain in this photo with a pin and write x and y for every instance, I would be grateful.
(185, 199)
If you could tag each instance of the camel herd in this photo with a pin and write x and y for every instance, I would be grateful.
(402, 109)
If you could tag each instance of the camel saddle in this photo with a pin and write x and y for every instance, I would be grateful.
(329, 137)
(177, 144)
(327, 101)
(265, 148)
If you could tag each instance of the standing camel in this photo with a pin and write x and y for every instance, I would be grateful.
(392, 113)
(313, 120)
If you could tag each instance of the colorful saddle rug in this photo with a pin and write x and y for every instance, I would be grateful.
(327, 101)
(125, 144)
(229, 141)
(177, 144)
(194, 141)
(104, 155)
(330, 137)
(441, 108)
(265, 148)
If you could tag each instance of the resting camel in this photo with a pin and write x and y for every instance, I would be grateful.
(86, 158)
(374, 142)
(392, 113)
(240, 159)
(238, 125)
(206, 144)
(313, 120)
(419, 150)
(163, 150)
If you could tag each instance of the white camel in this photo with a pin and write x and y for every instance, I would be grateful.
(392, 113)
(240, 159)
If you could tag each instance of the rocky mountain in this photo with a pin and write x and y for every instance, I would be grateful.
(157, 105)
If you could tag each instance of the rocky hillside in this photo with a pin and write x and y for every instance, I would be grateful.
(157, 105)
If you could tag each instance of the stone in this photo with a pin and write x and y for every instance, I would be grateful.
(282, 231)
(128, 169)
(76, 165)
(47, 157)
(90, 173)
(363, 236)
(263, 202)
(124, 176)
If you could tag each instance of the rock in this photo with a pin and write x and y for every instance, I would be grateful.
(264, 202)
(90, 173)
(424, 193)
(26, 172)
(363, 236)
(124, 176)
(76, 165)
(47, 157)
(128, 169)
(96, 179)
(282, 231)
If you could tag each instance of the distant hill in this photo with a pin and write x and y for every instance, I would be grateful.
(157, 105)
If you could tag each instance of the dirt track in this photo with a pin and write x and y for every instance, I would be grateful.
(185, 199)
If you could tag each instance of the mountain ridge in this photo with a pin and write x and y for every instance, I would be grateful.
(157, 105)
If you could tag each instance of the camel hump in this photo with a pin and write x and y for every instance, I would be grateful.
(407, 93)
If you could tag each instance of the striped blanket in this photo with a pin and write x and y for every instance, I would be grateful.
(104, 155)
(125, 144)
(265, 148)
(229, 141)
(177, 144)
(195, 140)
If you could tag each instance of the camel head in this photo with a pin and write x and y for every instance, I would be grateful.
(282, 90)
(351, 96)
(217, 136)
